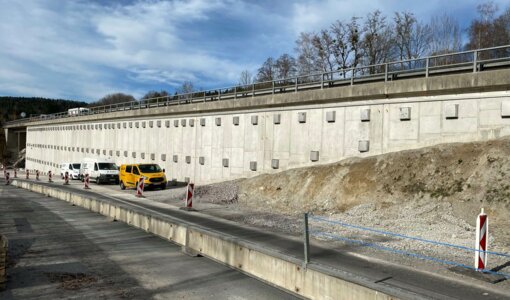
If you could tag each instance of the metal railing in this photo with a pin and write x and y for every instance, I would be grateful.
(330, 230)
(450, 63)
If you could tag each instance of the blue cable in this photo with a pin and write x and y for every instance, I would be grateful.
(423, 257)
(407, 237)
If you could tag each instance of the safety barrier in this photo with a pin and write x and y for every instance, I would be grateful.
(273, 267)
(188, 202)
(86, 182)
(140, 187)
(66, 178)
(325, 226)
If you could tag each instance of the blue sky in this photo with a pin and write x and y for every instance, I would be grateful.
(84, 50)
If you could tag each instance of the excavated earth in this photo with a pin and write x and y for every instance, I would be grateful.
(432, 193)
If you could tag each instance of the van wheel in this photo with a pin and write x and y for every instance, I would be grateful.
(122, 186)
(97, 180)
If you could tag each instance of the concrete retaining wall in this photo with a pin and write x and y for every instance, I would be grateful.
(275, 268)
(216, 146)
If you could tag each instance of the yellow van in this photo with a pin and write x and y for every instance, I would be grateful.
(130, 174)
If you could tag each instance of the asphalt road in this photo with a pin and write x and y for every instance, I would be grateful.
(407, 283)
(61, 251)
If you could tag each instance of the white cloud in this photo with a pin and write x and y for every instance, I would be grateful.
(82, 43)
(84, 49)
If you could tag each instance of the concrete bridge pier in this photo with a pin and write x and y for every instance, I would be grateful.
(15, 141)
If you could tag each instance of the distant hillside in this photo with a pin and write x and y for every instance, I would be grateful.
(12, 107)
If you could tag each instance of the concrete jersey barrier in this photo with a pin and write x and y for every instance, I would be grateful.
(275, 268)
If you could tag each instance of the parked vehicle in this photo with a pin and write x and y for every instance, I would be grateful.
(77, 111)
(129, 176)
(73, 169)
(100, 170)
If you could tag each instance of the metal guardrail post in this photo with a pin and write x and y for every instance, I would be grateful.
(475, 60)
(306, 241)
(322, 81)
(296, 85)
(386, 72)
(272, 82)
(253, 89)
(235, 92)
(219, 94)
(352, 76)
(427, 63)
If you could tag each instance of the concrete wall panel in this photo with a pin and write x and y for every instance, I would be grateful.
(291, 141)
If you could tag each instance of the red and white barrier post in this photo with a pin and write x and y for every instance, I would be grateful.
(15, 173)
(49, 176)
(86, 181)
(66, 178)
(140, 186)
(36, 174)
(482, 237)
(188, 202)
(27, 173)
(7, 179)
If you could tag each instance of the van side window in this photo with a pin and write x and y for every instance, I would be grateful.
(95, 167)
(128, 169)
(135, 171)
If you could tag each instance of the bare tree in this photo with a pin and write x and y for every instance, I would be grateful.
(411, 37)
(324, 46)
(481, 31)
(445, 35)
(285, 66)
(306, 54)
(245, 78)
(186, 87)
(355, 41)
(488, 31)
(267, 71)
(347, 44)
(341, 47)
(377, 40)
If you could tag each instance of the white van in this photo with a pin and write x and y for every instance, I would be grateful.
(73, 169)
(100, 170)
(77, 111)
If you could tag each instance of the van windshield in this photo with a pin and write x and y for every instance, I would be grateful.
(152, 168)
(76, 166)
(107, 166)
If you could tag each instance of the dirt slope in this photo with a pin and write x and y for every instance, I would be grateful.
(456, 179)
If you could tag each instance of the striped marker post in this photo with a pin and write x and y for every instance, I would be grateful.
(27, 173)
(140, 187)
(49, 176)
(66, 178)
(482, 235)
(189, 196)
(36, 174)
(7, 179)
(86, 181)
(15, 173)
